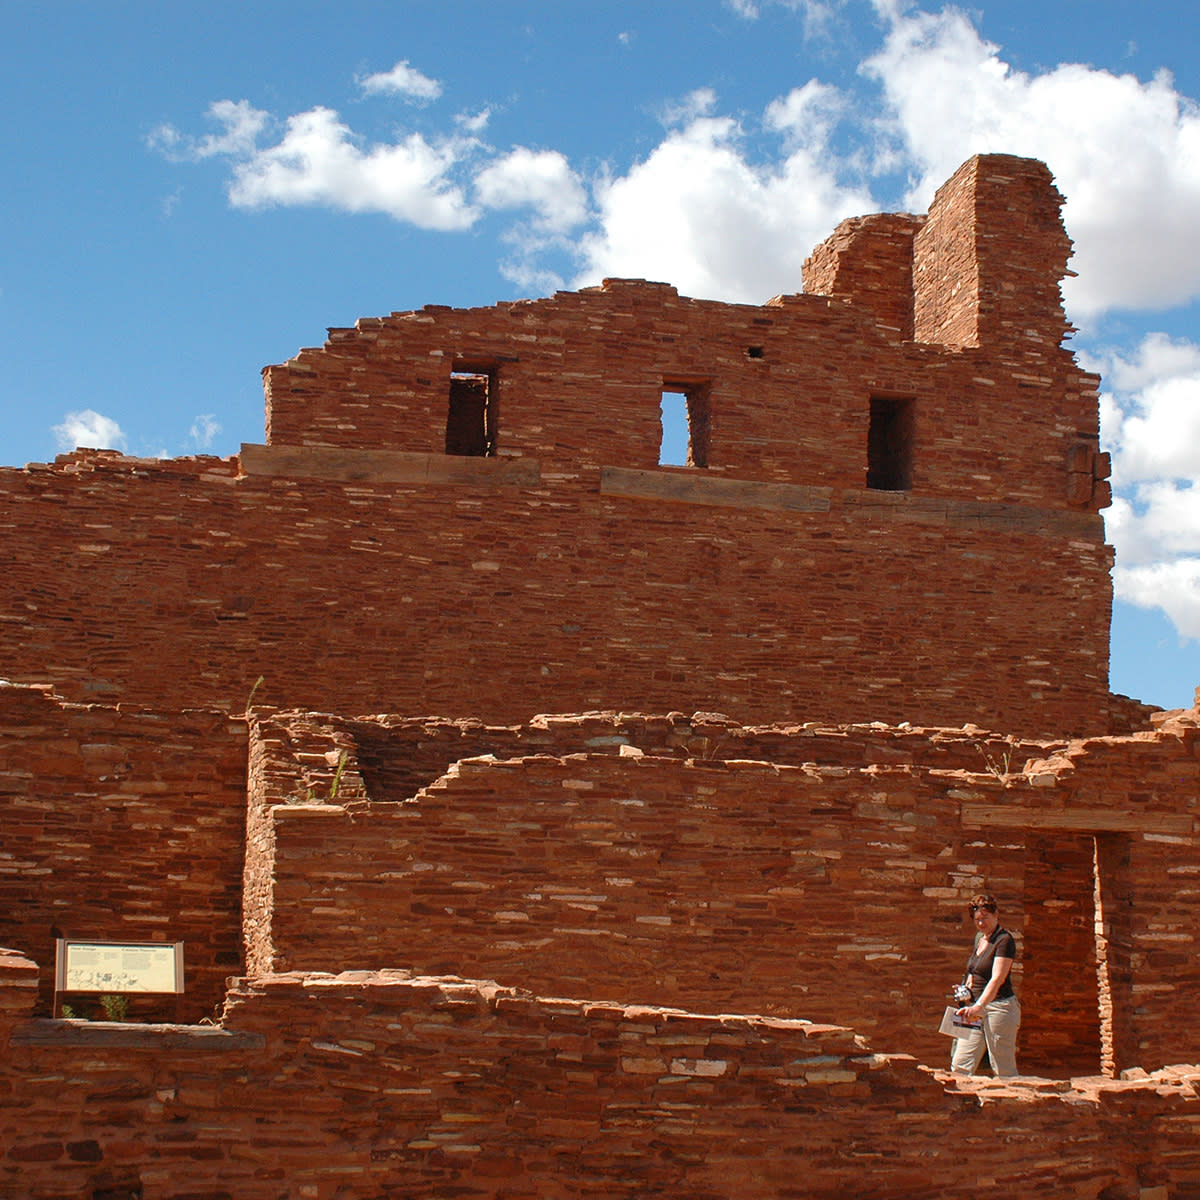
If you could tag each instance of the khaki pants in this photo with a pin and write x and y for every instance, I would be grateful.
(1001, 1020)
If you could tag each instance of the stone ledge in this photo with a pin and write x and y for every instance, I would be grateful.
(127, 1036)
(336, 464)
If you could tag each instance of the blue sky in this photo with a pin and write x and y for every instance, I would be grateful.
(193, 191)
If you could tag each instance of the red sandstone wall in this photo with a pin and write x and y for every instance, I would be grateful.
(155, 849)
(580, 379)
(122, 825)
(869, 261)
(989, 259)
(178, 584)
(727, 888)
(393, 757)
(357, 566)
(358, 1086)
(835, 890)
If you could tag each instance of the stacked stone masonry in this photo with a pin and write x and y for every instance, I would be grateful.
(692, 933)
(376, 1084)
(357, 566)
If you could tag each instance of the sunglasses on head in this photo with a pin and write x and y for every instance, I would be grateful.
(974, 908)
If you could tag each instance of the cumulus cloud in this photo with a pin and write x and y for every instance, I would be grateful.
(1125, 152)
(538, 179)
(1172, 586)
(89, 429)
(315, 159)
(318, 161)
(1150, 418)
(1153, 410)
(402, 80)
(807, 115)
(700, 214)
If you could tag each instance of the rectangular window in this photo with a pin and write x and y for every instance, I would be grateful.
(890, 444)
(685, 425)
(471, 419)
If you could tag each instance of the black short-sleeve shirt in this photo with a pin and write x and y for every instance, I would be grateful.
(1000, 944)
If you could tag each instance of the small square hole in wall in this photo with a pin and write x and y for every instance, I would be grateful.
(685, 425)
(754, 352)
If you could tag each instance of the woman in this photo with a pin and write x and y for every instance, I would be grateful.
(993, 1002)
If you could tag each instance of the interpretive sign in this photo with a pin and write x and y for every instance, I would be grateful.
(117, 968)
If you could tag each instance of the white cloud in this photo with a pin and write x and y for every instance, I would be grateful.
(1126, 153)
(807, 115)
(699, 214)
(1150, 411)
(1172, 586)
(88, 429)
(1156, 428)
(1150, 417)
(402, 80)
(698, 103)
(818, 14)
(473, 123)
(319, 162)
(204, 429)
(238, 139)
(537, 179)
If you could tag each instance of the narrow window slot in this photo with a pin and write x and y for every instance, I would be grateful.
(890, 444)
(685, 425)
(471, 417)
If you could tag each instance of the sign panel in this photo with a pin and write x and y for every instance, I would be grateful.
(119, 967)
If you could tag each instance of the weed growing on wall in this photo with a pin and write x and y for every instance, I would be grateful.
(116, 1008)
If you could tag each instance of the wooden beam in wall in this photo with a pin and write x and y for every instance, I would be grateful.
(1086, 820)
(338, 464)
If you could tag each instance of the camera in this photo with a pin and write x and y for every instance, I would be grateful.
(962, 993)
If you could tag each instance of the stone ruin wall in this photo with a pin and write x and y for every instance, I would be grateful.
(329, 1086)
(652, 860)
(362, 562)
(626, 858)
(122, 825)
(343, 1080)
(179, 585)
(357, 566)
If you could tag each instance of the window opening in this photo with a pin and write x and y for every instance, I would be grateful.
(890, 444)
(685, 425)
(471, 417)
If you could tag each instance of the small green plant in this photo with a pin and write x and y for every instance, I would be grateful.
(312, 796)
(250, 698)
(1000, 767)
(68, 1013)
(116, 1008)
(337, 776)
